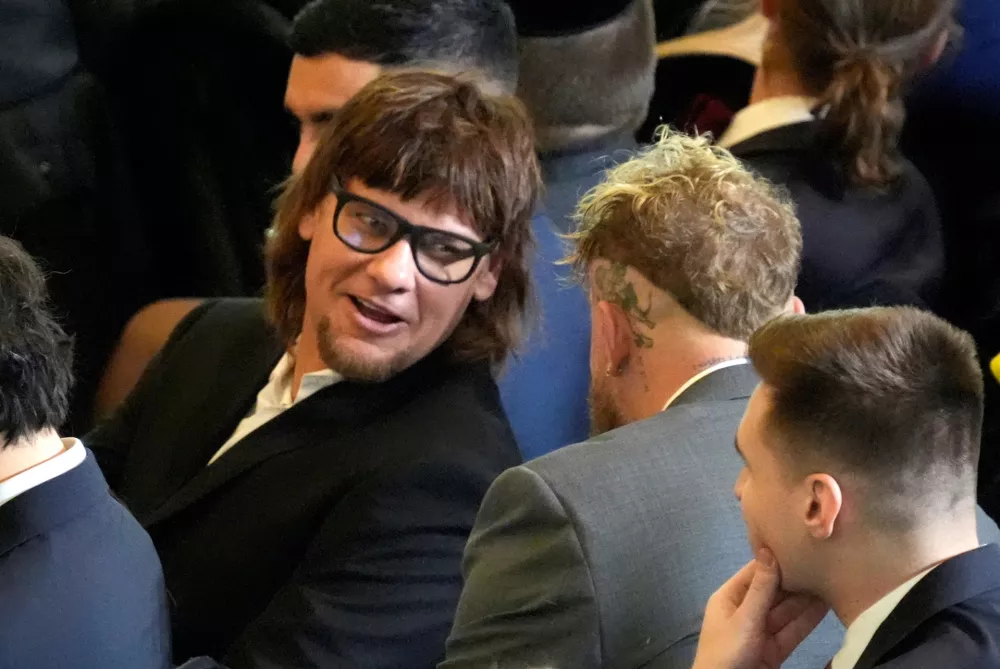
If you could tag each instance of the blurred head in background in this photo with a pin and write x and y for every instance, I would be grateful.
(685, 253)
(586, 68)
(341, 45)
(854, 58)
(36, 355)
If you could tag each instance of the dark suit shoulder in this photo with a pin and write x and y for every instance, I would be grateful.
(100, 572)
(458, 417)
(222, 319)
(963, 636)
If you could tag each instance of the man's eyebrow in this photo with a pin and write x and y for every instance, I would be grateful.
(736, 445)
(324, 116)
(316, 118)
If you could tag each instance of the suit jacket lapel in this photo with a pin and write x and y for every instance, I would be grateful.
(327, 417)
(952, 582)
(209, 416)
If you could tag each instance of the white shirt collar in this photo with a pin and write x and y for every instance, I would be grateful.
(702, 374)
(57, 465)
(278, 391)
(861, 631)
(767, 115)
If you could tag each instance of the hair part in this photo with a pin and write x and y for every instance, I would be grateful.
(857, 56)
(446, 35)
(36, 354)
(687, 215)
(593, 84)
(428, 135)
(890, 397)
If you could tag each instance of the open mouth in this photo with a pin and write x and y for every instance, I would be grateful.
(375, 313)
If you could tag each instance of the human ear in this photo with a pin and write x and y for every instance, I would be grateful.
(486, 281)
(824, 501)
(615, 333)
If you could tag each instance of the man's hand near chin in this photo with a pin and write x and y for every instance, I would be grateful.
(751, 624)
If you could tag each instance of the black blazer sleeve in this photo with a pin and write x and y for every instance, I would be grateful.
(380, 582)
(112, 440)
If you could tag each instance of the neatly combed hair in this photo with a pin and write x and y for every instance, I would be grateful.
(591, 84)
(36, 355)
(891, 396)
(856, 56)
(428, 135)
(722, 241)
(446, 35)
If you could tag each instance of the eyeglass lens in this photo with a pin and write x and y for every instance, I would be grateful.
(439, 256)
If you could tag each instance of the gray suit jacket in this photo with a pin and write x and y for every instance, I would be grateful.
(603, 554)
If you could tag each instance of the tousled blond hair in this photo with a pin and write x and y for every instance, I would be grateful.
(723, 242)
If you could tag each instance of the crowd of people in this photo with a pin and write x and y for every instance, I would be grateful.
(570, 341)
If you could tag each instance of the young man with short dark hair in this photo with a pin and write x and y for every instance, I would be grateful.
(310, 466)
(341, 45)
(80, 582)
(859, 491)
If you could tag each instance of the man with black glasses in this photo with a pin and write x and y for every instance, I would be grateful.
(309, 466)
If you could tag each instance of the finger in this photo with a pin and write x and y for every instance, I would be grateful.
(764, 589)
(797, 629)
(735, 589)
(785, 609)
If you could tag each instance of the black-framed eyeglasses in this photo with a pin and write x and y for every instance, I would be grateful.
(368, 227)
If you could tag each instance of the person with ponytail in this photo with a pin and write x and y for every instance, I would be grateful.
(825, 115)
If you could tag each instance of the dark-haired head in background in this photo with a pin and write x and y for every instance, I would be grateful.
(825, 117)
(340, 45)
(36, 355)
(586, 68)
(67, 548)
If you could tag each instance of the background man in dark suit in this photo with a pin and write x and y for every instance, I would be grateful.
(310, 478)
(601, 554)
(861, 446)
(80, 582)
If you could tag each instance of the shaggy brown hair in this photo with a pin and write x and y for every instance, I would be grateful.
(424, 134)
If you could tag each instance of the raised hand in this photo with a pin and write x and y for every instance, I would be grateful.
(751, 624)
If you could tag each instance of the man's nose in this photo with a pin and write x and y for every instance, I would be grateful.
(307, 144)
(394, 268)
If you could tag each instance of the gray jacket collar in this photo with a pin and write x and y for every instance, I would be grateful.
(730, 383)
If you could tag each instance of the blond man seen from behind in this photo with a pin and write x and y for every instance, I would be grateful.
(603, 553)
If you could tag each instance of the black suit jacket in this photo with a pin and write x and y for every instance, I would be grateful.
(949, 620)
(859, 248)
(329, 537)
(80, 583)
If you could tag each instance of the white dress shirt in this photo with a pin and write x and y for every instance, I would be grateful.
(861, 631)
(74, 454)
(702, 374)
(276, 397)
(767, 115)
